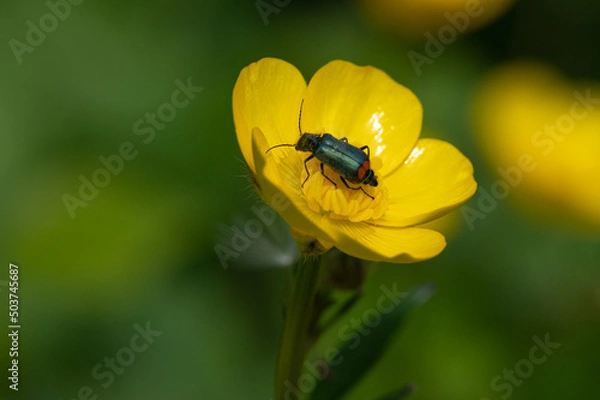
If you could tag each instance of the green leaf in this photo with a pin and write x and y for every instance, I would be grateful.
(366, 346)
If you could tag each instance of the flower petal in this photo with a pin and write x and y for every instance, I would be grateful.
(267, 94)
(414, 17)
(434, 179)
(365, 105)
(395, 245)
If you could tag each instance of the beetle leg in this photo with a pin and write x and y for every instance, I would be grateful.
(348, 186)
(306, 168)
(328, 178)
(368, 151)
(344, 139)
(355, 188)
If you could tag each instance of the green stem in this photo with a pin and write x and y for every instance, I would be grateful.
(298, 318)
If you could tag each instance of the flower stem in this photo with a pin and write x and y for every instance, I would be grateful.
(298, 318)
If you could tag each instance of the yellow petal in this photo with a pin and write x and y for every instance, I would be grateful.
(267, 94)
(449, 225)
(279, 186)
(435, 179)
(441, 17)
(541, 138)
(395, 245)
(366, 106)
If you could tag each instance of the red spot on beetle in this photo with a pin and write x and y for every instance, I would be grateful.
(363, 169)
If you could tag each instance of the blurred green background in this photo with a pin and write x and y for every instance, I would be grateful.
(142, 250)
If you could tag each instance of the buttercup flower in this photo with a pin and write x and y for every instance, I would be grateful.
(416, 17)
(419, 180)
(541, 134)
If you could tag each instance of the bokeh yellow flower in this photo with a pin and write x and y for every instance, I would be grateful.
(419, 179)
(417, 17)
(528, 111)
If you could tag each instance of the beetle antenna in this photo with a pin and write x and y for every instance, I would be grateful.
(300, 117)
(280, 145)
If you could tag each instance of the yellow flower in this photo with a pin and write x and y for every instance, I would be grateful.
(419, 180)
(416, 17)
(541, 134)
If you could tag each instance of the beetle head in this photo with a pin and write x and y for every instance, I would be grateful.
(370, 178)
(308, 142)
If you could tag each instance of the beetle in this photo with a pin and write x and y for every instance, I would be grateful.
(352, 163)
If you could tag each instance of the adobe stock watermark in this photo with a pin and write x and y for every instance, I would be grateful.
(504, 384)
(145, 128)
(545, 141)
(446, 35)
(35, 34)
(353, 333)
(241, 236)
(265, 8)
(106, 371)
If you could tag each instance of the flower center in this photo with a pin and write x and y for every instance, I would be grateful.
(337, 200)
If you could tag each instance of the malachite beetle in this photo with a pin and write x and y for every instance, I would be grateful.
(352, 163)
